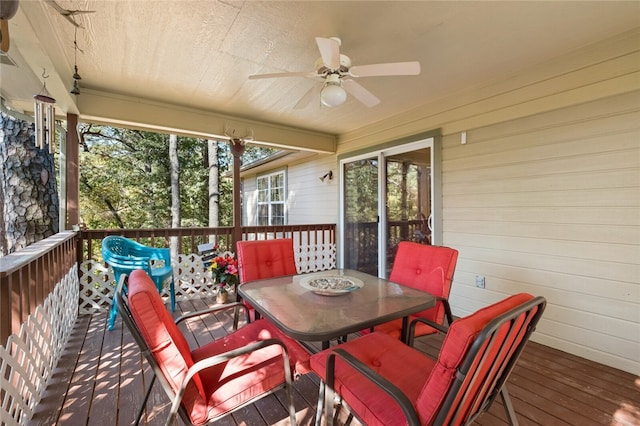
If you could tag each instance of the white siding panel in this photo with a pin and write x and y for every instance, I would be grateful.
(249, 200)
(550, 204)
(570, 215)
(310, 200)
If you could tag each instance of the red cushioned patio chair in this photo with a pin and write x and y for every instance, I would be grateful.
(265, 259)
(384, 382)
(428, 268)
(215, 379)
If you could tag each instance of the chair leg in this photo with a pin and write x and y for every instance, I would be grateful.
(113, 313)
(292, 408)
(320, 404)
(329, 399)
(172, 288)
(144, 402)
(508, 406)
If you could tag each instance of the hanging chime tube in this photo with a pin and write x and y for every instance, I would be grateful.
(51, 125)
(40, 124)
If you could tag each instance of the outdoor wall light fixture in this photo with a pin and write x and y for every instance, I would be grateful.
(45, 115)
(329, 175)
(333, 94)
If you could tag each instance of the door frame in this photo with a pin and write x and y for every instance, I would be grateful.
(380, 151)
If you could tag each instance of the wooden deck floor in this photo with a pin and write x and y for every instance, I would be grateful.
(101, 378)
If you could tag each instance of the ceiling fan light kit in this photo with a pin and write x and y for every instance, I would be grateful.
(337, 75)
(333, 94)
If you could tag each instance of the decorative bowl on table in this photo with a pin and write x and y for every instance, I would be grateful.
(331, 285)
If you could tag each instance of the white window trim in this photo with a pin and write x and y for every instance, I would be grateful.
(268, 176)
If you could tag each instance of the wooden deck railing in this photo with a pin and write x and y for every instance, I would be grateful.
(27, 277)
(190, 238)
(42, 288)
(314, 247)
(38, 308)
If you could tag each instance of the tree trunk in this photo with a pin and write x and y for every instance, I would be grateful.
(175, 191)
(214, 188)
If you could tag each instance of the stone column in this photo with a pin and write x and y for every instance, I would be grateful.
(27, 187)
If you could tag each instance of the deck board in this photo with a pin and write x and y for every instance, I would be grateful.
(101, 379)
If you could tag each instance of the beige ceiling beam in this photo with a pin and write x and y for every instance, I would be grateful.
(113, 109)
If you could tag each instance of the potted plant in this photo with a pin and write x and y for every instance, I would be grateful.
(224, 271)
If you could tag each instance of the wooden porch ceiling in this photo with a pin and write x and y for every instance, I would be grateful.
(141, 63)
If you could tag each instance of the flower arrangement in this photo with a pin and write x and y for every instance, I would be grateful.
(224, 269)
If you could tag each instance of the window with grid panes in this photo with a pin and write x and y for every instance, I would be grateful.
(271, 199)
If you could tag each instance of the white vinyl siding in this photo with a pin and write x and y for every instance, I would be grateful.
(310, 199)
(550, 205)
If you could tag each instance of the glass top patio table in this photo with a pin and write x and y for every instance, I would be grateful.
(302, 314)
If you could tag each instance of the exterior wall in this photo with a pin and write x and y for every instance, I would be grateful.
(545, 195)
(550, 205)
(249, 200)
(309, 200)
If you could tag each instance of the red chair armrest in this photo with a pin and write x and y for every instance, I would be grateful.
(412, 328)
(447, 308)
(384, 385)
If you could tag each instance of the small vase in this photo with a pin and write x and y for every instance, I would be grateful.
(222, 297)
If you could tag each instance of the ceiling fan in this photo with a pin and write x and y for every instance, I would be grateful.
(337, 75)
(69, 15)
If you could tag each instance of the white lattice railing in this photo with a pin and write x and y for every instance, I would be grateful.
(28, 358)
(97, 281)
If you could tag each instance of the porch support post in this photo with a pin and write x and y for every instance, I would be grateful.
(237, 148)
(72, 173)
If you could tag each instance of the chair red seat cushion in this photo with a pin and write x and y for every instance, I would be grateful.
(403, 366)
(246, 377)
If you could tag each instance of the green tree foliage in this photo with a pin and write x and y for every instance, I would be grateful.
(125, 179)
(361, 179)
(402, 190)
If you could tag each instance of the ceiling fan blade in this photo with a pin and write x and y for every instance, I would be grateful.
(392, 68)
(329, 51)
(360, 93)
(66, 14)
(308, 74)
(56, 6)
(305, 100)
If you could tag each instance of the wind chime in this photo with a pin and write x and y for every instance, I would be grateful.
(45, 116)
(75, 90)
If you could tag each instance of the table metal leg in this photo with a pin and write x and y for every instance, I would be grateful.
(405, 329)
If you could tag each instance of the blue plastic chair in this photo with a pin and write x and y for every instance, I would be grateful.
(125, 255)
